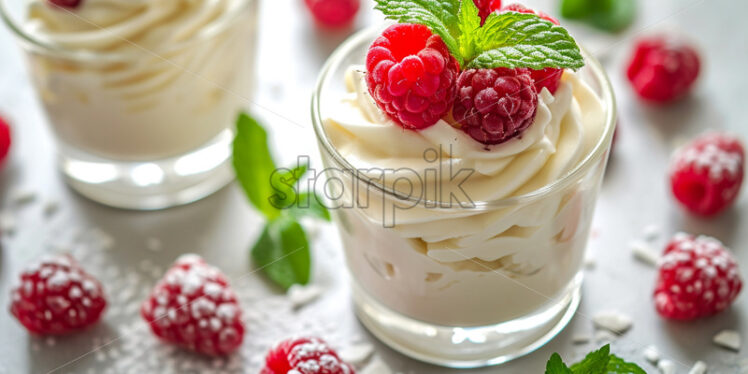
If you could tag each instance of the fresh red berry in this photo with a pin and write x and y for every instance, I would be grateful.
(698, 277)
(411, 75)
(66, 3)
(706, 175)
(486, 7)
(5, 140)
(549, 78)
(663, 70)
(495, 105)
(56, 296)
(304, 356)
(519, 8)
(194, 307)
(333, 13)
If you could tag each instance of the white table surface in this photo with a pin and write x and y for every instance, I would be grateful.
(223, 226)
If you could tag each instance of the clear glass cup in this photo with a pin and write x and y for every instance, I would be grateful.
(144, 128)
(463, 312)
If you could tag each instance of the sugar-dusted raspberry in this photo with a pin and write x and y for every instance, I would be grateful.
(194, 307)
(333, 13)
(486, 7)
(411, 75)
(663, 70)
(495, 105)
(698, 277)
(519, 8)
(5, 140)
(706, 175)
(66, 3)
(56, 296)
(304, 356)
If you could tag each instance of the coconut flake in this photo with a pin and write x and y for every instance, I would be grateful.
(8, 223)
(667, 367)
(612, 321)
(300, 296)
(652, 354)
(644, 253)
(729, 339)
(651, 232)
(698, 368)
(605, 336)
(22, 196)
(581, 339)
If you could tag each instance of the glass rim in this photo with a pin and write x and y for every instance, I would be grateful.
(41, 46)
(598, 151)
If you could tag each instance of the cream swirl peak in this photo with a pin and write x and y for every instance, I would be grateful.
(115, 25)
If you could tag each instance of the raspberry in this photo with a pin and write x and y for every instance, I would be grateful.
(333, 13)
(549, 78)
(411, 75)
(5, 140)
(519, 8)
(698, 277)
(56, 296)
(305, 356)
(193, 307)
(495, 105)
(486, 7)
(661, 70)
(66, 3)
(706, 175)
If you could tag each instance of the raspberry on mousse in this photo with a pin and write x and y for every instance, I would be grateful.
(56, 296)
(495, 105)
(411, 75)
(304, 356)
(698, 277)
(194, 307)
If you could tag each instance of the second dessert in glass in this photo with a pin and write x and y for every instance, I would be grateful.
(464, 193)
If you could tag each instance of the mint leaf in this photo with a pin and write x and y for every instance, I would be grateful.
(438, 15)
(283, 182)
(608, 15)
(575, 9)
(595, 362)
(310, 205)
(254, 165)
(514, 40)
(617, 365)
(469, 23)
(282, 252)
(556, 366)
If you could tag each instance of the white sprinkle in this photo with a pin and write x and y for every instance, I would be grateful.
(644, 253)
(666, 367)
(356, 354)
(651, 232)
(605, 336)
(22, 196)
(153, 244)
(612, 321)
(652, 354)
(7, 223)
(300, 296)
(589, 260)
(581, 339)
(377, 366)
(698, 368)
(729, 339)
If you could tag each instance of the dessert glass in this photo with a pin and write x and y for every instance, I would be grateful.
(150, 128)
(470, 310)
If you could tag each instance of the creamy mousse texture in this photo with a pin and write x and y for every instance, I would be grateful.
(468, 266)
(150, 79)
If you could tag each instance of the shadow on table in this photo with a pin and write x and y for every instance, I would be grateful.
(682, 333)
(63, 354)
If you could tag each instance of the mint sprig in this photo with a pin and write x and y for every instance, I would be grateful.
(282, 250)
(596, 362)
(507, 39)
(607, 15)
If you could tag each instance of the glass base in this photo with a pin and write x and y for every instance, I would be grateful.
(467, 347)
(151, 185)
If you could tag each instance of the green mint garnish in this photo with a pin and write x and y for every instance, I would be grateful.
(508, 39)
(597, 362)
(282, 251)
(608, 15)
